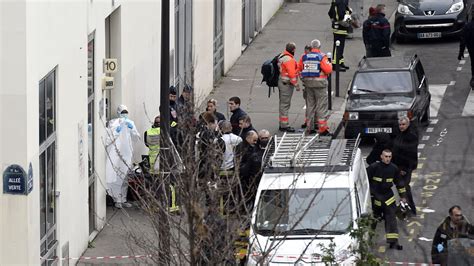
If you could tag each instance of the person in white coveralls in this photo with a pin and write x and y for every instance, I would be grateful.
(121, 133)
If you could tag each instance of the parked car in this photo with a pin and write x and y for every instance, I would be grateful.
(421, 19)
(312, 191)
(384, 89)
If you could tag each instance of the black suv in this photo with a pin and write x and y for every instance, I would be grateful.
(383, 90)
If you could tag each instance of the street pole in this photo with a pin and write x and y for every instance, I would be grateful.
(329, 85)
(163, 176)
(338, 58)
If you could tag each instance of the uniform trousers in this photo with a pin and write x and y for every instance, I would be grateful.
(285, 92)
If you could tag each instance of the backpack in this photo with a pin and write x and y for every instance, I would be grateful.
(271, 72)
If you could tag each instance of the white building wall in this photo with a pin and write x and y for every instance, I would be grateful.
(232, 32)
(17, 223)
(269, 8)
(203, 40)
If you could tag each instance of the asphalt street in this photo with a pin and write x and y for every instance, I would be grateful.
(446, 151)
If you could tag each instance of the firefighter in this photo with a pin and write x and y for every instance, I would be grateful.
(382, 175)
(467, 40)
(152, 141)
(314, 67)
(287, 82)
(340, 14)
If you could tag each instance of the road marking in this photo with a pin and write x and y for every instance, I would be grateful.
(425, 239)
(434, 121)
(458, 68)
(304, 107)
(420, 165)
(413, 223)
(421, 146)
(469, 105)
(426, 210)
(425, 138)
(466, 55)
(462, 62)
(437, 93)
(429, 130)
(419, 154)
(452, 83)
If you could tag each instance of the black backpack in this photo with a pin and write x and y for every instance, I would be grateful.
(271, 72)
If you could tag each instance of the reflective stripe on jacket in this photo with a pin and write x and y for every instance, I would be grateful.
(288, 68)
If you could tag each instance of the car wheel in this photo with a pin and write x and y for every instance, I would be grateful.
(425, 120)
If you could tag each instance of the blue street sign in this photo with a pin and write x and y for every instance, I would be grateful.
(15, 180)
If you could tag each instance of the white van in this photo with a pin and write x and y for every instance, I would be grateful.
(311, 190)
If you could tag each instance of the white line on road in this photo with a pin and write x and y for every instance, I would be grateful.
(421, 146)
(452, 83)
(462, 62)
(425, 138)
(419, 154)
(437, 93)
(304, 107)
(469, 105)
(429, 129)
(458, 68)
(466, 55)
(433, 121)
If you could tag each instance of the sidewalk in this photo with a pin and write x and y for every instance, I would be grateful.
(243, 80)
(311, 22)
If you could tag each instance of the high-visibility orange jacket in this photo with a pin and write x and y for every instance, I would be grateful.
(325, 66)
(288, 68)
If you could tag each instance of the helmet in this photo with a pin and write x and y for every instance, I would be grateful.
(402, 210)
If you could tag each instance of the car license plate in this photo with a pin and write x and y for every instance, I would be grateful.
(429, 35)
(373, 130)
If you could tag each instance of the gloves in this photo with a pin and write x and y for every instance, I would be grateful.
(129, 125)
(118, 129)
(440, 248)
(460, 56)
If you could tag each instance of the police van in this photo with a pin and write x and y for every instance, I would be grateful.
(312, 189)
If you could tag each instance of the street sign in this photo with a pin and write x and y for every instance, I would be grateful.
(110, 65)
(108, 83)
(15, 180)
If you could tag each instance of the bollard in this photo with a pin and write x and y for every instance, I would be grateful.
(337, 68)
(329, 85)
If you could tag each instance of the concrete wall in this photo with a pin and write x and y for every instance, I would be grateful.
(269, 8)
(203, 40)
(232, 32)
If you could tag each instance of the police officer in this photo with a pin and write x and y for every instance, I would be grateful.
(287, 82)
(453, 226)
(376, 34)
(382, 175)
(152, 141)
(314, 67)
(467, 40)
(340, 14)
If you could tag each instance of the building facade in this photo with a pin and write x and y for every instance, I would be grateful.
(54, 109)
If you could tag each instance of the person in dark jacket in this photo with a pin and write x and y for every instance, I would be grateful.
(453, 226)
(212, 108)
(467, 40)
(382, 142)
(249, 166)
(340, 14)
(376, 34)
(211, 148)
(382, 176)
(237, 113)
(405, 155)
(245, 125)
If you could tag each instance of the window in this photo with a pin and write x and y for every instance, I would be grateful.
(382, 82)
(91, 131)
(47, 167)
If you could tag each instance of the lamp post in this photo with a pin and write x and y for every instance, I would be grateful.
(329, 85)
(338, 57)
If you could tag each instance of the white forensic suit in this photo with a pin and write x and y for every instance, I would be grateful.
(121, 133)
